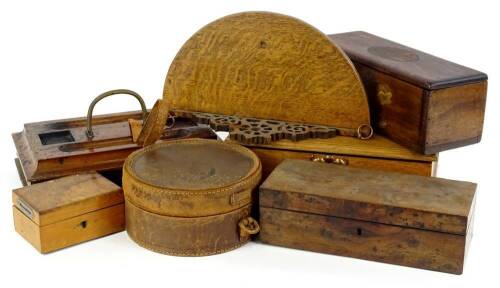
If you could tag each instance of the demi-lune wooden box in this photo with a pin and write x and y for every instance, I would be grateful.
(377, 153)
(59, 213)
(420, 101)
(409, 220)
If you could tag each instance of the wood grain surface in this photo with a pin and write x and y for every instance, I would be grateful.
(396, 106)
(418, 100)
(410, 220)
(377, 153)
(268, 66)
(410, 65)
(271, 158)
(366, 240)
(108, 149)
(377, 146)
(455, 116)
(391, 198)
(59, 199)
(154, 124)
(66, 211)
(71, 231)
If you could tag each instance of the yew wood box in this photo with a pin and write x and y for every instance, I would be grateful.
(418, 100)
(409, 220)
(66, 211)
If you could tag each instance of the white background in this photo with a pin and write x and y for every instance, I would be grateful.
(56, 56)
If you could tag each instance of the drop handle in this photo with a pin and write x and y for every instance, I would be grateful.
(247, 227)
(329, 159)
(89, 132)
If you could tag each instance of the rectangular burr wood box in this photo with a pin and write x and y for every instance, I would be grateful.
(56, 148)
(420, 101)
(59, 213)
(377, 153)
(409, 220)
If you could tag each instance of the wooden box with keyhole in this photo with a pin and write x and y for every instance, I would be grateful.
(59, 213)
(410, 220)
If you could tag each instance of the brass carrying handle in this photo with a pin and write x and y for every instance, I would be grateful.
(329, 159)
(90, 132)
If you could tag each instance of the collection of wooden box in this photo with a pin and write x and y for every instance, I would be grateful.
(369, 196)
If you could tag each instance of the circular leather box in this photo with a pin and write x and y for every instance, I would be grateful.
(191, 197)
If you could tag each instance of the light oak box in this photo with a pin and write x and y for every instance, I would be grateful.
(66, 211)
(377, 153)
(409, 220)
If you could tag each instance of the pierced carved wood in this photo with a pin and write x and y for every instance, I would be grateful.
(248, 130)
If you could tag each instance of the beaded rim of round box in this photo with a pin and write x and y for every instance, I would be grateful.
(192, 201)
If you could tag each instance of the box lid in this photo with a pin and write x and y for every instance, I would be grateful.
(405, 63)
(377, 147)
(191, 177)
(55, 200)
(389, 198)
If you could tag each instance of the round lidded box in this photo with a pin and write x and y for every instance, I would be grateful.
(190, 197)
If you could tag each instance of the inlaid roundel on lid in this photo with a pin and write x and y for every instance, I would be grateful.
(269, 66)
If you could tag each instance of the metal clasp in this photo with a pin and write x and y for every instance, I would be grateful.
(329, 159)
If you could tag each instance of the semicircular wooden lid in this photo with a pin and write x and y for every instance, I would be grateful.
(193, 164)
(270, 66)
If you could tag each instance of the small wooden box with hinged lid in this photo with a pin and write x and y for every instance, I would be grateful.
(59, 213)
